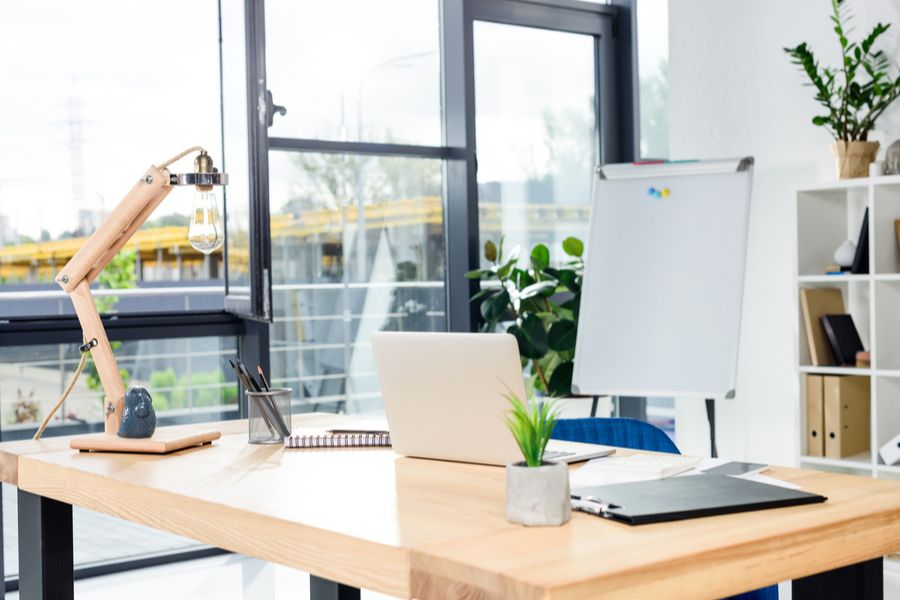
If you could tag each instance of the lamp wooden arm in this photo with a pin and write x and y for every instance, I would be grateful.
(76, 277)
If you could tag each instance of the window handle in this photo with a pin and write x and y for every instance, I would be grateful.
(272, 108)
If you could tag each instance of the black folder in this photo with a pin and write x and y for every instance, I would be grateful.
(687, 497)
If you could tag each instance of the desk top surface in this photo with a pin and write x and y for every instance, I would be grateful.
(432, 529)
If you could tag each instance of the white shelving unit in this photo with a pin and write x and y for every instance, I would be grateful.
(826, 216)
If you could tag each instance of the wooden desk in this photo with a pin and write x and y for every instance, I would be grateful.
(429, 529)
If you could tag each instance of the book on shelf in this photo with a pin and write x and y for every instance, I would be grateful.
(815, 303)
(861, 258)
(843, 338)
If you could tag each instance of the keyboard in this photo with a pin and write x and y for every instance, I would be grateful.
(556, 454)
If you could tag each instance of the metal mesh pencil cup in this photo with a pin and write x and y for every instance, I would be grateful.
(269, 416)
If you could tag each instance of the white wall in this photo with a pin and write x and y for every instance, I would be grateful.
(733, 92)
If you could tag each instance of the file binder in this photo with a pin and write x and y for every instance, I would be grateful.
(685, 497)
(815, 416)
(847, 402)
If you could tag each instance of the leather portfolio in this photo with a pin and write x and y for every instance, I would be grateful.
(685, 497)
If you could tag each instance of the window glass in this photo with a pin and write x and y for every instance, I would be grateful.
(81, 125)
(653, 68)
(189, 380)
(355, 70)
(236, 159)
(357, 247)
(537, 140)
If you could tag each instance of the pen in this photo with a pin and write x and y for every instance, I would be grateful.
(263, 378)
(363, 431)
(270, 425)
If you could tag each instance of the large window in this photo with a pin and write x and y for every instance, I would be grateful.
(355, 204)
(536, 131)
(653, 63)
(355, 70)
(357, 238)
(92, 94)
(81, 125)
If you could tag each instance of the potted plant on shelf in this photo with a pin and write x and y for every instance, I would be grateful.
(854, 95)
(537, 304)
(537, 492)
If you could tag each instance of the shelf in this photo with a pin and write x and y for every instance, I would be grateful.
(862, 462)
(843, 184)
(825, 370)
(889, 468)
(834, 370)
(836, 278)
(848, 277)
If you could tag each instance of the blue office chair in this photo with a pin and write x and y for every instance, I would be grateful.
(638, 435)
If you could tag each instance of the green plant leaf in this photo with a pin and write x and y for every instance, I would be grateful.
(490, 251)
(560, 383)
(480, 274)
(492, 308)
(504, 270)
(531, 336)
(531, 425)
(536, 289)
(483, 293)
(573, 246)
(521, 278)
(566, 277)
(573, 304)
(540, 257)
(561, 336)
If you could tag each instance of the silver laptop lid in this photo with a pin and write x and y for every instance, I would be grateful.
(444, 393)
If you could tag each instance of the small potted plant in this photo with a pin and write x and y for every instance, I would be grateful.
(853, 95)
(537, 492)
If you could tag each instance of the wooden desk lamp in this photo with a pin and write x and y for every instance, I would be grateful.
(75, 278)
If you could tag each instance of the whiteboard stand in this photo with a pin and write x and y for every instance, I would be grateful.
(663, 285)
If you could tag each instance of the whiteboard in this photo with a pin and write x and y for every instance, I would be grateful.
(663, 285)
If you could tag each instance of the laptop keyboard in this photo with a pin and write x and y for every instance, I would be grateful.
(554, 454)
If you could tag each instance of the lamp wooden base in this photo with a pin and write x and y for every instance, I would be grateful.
(162, 442)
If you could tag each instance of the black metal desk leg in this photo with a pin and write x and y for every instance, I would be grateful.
(324, 589)
(862, 581)
(45, 549)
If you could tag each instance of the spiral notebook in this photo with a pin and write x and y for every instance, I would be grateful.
(366, 439)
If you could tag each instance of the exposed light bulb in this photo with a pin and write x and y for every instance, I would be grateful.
(205, 233)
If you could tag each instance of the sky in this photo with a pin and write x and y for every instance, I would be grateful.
(92, 93)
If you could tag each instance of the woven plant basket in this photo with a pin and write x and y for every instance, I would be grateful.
(852, 159)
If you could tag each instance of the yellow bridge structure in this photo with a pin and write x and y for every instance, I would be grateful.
(168, 247)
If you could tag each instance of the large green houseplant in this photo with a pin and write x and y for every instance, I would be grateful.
(853, 95)
(538, 304)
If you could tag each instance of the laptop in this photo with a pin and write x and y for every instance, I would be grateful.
(445, 397)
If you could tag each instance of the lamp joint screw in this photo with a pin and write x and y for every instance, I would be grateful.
(110, 408)
(64, 279)
(148, 179)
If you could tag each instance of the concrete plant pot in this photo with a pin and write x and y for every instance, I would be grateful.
(852, 159)
(538, 495)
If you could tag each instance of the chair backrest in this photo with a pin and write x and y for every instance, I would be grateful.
(621, 432)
